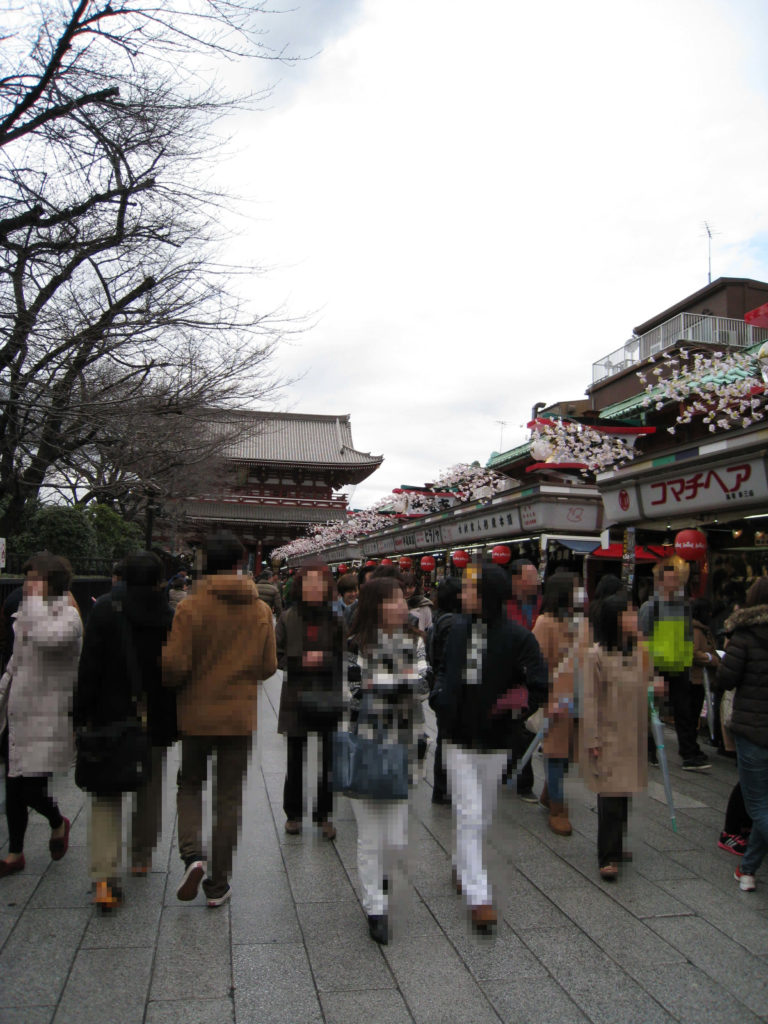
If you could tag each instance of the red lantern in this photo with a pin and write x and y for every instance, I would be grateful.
(387, 561)
(406, 563)
(691, 545)
(370, 562)
(342, 570)
(501, 554)
(460, 559)
(427, 563)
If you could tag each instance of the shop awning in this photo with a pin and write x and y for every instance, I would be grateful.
(581, 547)
(643, 552)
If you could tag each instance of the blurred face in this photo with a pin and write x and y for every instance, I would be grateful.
(350, 597)
(628, 622)
(394, 612)
(35, 586)
(670, 580)
(470, 598)
(526, 584)
(313, 588)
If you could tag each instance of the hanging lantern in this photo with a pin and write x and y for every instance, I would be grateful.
(370, 562)
(427, 563)
(406, 563)
(342, 570)
(460, 559)
(691, 545)
(387, 561)
(501, 554)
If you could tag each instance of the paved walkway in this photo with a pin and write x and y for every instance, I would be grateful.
(674, 940)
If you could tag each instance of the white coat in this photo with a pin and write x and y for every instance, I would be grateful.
(43, 671)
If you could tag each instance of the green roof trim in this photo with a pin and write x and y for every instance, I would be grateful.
(501, 458)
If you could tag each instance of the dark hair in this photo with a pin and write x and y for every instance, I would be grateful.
(758, 592)
(346, 583)
(223, 552)
(516, 567)
(388, 572)
(449, 595)
(701, 610)
(409, 580)
(607, 585)
(607, 621)
(367, 618)
(55, 570)
(301, 575)
(363, 573)
(558, 594)
(144, 569)
(32, 562)
(118, 568)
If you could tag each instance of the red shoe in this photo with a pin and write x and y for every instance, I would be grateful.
(10, 867)
(59, 846)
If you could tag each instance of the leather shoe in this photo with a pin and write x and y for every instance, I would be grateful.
(293, 828)
(484, 918)
(378, 928)
(10, 867)
(58, 846)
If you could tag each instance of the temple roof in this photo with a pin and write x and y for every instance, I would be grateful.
(252, 512)
(298, 439)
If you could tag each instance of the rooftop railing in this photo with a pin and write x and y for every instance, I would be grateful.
(694, 328)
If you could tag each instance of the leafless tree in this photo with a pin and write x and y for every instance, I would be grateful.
(116, 320)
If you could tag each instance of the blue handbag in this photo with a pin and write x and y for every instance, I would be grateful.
(369, 767)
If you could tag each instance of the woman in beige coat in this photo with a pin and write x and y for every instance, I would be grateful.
(617, 672)
(557, 631)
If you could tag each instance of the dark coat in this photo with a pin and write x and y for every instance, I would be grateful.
(437, 638)
(745, 669)
(474, 714)
(106, 682)
(311, 698)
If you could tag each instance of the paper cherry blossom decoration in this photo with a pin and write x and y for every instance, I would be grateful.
(691, 545)
(501, 554)
(427, 563)
(460, 559)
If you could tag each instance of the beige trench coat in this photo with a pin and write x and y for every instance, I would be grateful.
(614, 718)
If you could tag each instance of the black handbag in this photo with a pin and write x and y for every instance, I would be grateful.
(370, 768)
(115, 757)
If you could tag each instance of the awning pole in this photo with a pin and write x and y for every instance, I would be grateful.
(628, 558)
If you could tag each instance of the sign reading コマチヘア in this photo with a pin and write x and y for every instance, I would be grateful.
(727, 486)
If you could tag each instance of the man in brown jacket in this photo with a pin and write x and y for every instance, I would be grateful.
(221, 645)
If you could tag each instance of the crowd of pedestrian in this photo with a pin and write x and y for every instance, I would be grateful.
(507, 666)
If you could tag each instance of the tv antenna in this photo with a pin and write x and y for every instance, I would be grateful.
(502, 424)
(709, 233)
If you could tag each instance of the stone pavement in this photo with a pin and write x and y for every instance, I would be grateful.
(673, 940)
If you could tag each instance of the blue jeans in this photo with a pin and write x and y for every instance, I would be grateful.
(753, 776)
(555, 771)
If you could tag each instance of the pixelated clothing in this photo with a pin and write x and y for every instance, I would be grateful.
(229, 760)
(668, 625)
(469, 712)
(221, 644)
(311, 699)
(474, 778)
(612, 814)
(43, 669)
(560, 641)
(745, 669)
(382, 826)
(106, 837)
(614, 718)
(388, 674)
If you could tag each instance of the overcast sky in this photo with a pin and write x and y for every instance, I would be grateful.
(475, 201)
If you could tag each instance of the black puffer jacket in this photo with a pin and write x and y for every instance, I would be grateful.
(745, 669)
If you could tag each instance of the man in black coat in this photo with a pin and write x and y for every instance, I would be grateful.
(119, 677)
(493, 677)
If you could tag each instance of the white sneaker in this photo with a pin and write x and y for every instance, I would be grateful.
(190, 883)
(746, 882)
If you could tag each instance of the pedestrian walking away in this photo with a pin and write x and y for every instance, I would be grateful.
(221, 646)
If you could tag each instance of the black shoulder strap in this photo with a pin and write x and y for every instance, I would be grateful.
(129, 651)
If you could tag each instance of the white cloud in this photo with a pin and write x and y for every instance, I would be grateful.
(480, 200)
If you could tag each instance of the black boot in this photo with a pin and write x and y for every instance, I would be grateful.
(378, 928)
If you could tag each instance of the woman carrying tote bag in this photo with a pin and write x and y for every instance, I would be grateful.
(371, 760)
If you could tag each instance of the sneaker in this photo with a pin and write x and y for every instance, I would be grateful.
(378, 928)
(528, 796)
(697, 763)
(218, 901)
(746, 882)
(732, 844)
(190, 883)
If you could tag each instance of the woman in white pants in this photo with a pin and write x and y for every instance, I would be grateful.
(493, 676)
(388, 678)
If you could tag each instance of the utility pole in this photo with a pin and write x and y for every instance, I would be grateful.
(709, 232)
(502, 424)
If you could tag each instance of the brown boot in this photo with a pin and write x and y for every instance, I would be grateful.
(544, 798)
(558, 819)
(484, 917)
